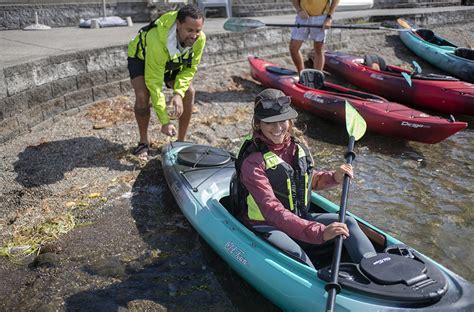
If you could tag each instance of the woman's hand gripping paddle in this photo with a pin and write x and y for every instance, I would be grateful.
(356, 128)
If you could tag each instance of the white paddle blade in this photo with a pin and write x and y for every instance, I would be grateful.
(355, 124)
(236, 24)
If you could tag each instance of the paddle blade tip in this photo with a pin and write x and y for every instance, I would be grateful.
(404, 23)
(355, 123)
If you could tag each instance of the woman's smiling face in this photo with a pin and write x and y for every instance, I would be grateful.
(275, 131)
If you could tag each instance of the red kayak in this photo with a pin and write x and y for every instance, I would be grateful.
(381, 116)
(444, 94)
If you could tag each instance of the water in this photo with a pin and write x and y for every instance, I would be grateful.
(419, 193)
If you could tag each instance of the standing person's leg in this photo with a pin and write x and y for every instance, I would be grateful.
(318, 59)
(296, 56)
(184, 120)
(298, 36)
(136, 68)
(318, 35)
(142, 107)
(357, 243)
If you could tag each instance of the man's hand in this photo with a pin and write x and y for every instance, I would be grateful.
(303, 14)
(327, 23)
(168, 129)
(176, 104)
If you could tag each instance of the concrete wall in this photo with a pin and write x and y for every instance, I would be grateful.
(61, 15)
(390, 4)
(36, 91)
(17, 2)
(33, 92)
(16, 16)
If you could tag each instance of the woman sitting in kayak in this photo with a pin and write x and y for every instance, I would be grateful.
(276, 177)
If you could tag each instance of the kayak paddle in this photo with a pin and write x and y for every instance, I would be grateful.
(243, 24)
(405, 24)
(416, 70)
(356, 128)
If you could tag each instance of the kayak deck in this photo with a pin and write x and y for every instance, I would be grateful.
(382, 116)
(441, 93)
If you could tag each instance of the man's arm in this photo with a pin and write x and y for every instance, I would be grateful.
(154, 77)
(296, 4)
(332, 8)
(186, 75)
(328, 22)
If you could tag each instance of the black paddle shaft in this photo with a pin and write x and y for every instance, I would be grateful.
(332, 26)
(333, 287)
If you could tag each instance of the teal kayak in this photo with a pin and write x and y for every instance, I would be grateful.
(440, 52)
(397, 278)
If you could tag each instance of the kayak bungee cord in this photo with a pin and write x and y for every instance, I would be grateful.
(193, 169)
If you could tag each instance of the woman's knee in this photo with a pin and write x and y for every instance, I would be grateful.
(351, 222)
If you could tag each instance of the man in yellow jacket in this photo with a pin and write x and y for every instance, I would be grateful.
(168, 51)
(316, 12)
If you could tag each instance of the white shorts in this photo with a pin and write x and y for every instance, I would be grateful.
(314, 33)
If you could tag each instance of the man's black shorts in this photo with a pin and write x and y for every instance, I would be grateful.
(136, 68)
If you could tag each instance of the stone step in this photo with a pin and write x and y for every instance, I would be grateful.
(263, 6)
(243, 8)
(248, 8)
(263, 9)
(249, 2)
(423, 5)
(389, 4)
(247, 13)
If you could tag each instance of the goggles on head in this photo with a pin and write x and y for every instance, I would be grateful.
(276, 104)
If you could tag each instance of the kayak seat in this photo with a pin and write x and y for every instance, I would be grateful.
(426, 34)
(312, 78)
(371, 60)
(465, 53)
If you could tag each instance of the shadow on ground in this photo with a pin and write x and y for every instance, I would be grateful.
(173, 272)
(47, 162)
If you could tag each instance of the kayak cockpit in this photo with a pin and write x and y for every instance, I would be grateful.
(396, 273)
(376, 62)
(465, 53)
(312, 79)
(429, 36)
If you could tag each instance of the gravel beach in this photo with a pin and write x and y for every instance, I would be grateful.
(115, 238)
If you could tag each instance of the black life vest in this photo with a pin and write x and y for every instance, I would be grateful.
(291, 183)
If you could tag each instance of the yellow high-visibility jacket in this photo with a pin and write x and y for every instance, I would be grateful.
(153, 44)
